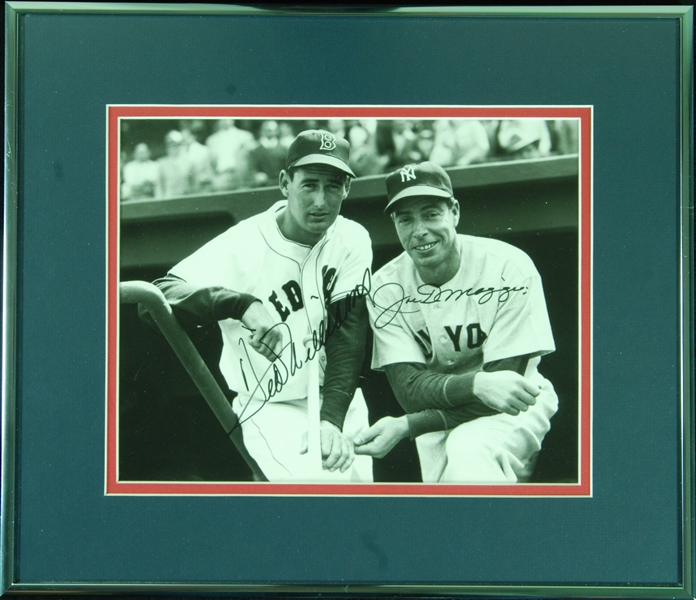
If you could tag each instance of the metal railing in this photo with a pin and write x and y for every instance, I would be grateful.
(152, 299)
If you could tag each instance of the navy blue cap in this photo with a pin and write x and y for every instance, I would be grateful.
(424, 179)
(316, 146)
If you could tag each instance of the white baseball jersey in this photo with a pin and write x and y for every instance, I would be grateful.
(492, 309)
(295, 283)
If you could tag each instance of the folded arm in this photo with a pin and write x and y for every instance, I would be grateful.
(195, 306)
(438, 402)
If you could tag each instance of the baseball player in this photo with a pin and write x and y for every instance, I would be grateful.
(460, 324)
(274, 281)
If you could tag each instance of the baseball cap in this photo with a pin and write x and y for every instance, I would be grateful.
(316, 146)
(424, 179)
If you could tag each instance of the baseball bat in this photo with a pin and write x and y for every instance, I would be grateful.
(313, 409)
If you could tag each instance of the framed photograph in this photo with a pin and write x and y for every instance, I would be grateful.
(535, 174)
(395, 301)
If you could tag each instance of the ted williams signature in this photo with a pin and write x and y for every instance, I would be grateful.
(270, 382)
(389, 300)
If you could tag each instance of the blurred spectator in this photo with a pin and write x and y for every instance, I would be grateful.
(176, 174)
(267, 158)
(199, 155)
(369, 125)
(460, 143)
(228, 148)
(337, 127)
(419, 150)
(523, 138)
(403, 138)
(287, 134)
(564, 136)
(471, 142)
(393, 139)
(363, 153)
(139, 175)
(491, 127)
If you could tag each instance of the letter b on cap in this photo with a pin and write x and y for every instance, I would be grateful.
(328, 142)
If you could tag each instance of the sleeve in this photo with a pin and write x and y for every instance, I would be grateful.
(212, 284)
(437, 402)
(392, 341)
(347, 327)
(432, 419)
(345, 351)
(521, 325)
(434, 401)
(194, 306)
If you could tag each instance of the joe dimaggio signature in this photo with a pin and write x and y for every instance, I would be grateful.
(428, 294)
(271, 381)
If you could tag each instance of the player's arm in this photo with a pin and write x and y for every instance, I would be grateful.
(194, 306)
(345, 351)
(437, 402)
(417, 388)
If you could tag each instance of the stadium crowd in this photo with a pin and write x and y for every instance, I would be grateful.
(201, 156)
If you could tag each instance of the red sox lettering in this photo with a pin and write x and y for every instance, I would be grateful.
(293, 293)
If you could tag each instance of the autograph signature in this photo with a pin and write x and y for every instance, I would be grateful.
(273, 379)
(428, 294)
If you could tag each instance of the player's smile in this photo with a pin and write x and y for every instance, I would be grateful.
(426, 227)
(424, 247)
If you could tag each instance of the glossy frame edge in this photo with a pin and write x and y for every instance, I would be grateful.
(9, 306)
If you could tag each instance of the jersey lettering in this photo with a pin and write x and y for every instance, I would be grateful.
(293, 291)
(426, 344)
(475, 336)
(454, 336)
(282, 311)
(329, 282)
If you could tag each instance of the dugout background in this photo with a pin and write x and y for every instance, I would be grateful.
(73, 65)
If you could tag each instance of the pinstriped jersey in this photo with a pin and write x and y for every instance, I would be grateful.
(295, 283)
(493, 308)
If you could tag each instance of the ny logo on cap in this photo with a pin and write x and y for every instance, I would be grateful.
(408, 173)
(328, 142)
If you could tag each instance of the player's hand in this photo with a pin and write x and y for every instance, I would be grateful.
(266, 337)
(336, 451)
(505, 391)
(378, 440)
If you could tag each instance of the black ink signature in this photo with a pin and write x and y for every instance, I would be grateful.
(428, 294)
(273, 379)
(278, 373)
